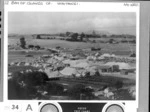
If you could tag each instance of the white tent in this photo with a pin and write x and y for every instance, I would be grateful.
(107, 55)
(121, 65)
(92, 68)
(77, 63)
(101, 58)
(46, 56)
(80, 65)
(27, 64)
(52, 74)
(124, 66)
(68, 71)
(91, 58)
(59, 58)
(66, 61)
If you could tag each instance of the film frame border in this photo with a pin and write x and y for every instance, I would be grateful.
(142, 22)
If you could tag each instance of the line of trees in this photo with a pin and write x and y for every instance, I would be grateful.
(34, 47)
(22, 43)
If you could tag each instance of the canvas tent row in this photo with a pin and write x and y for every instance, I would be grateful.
(121, 65)
(107, 55)
(80, 65)
(77, 63)
(68, 71)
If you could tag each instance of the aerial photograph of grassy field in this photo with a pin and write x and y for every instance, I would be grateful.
(72, 56)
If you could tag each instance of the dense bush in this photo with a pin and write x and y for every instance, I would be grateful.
(123, 94)
(79, 91)
(25, 85)
(97, 73)
(30, 46)
(16, 91)
(87, 74)
(22, 43)
(53, 88)
(30, 78)
(116, 68)
(38, 37)
(13, 89)
(37, 47)
(119, 84)
(111, 41)
(133, 55)
(95, 49)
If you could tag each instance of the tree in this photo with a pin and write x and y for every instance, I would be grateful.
(76, 91)
(13, 87)
(115, 68)
(87, 74)
(97, 73)
(82, 36)
(38, 37)
(62, 35)
(16, 91)
(26, 85)
(104, 35)
(22, 43)
(30, 46)
(37, 47)
(111, 41)
(74, 37)
(118, 85)
(80, 91)
(54, 88)
(34, 78)
(67, 33)
(133, 55)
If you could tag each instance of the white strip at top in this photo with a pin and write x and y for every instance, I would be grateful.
(71, 6)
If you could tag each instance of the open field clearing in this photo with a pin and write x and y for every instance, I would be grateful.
(74, 45)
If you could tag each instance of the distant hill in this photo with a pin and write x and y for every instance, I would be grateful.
(98, 32)
(18, 36)
(90, 32)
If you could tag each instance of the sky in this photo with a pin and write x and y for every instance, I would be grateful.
(60, 22)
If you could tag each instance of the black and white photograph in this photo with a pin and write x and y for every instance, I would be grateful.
(72, 55)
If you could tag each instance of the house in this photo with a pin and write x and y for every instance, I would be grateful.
(105, 68)
(124, 68)
(126, 71)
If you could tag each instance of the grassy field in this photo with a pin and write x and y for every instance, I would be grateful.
(21, 55)
(123, 49)
(119, 49)
(67, 44)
